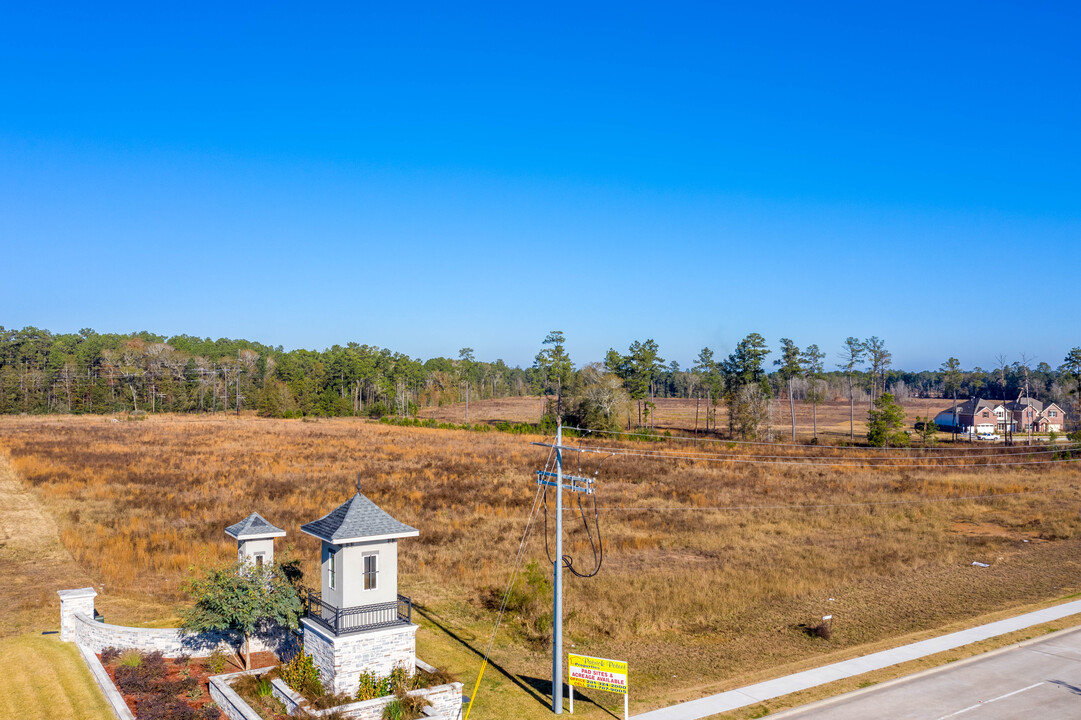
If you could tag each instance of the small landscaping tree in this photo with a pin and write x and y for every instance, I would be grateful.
(928, 430)
(240, 597)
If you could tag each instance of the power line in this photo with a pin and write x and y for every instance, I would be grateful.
(914, 463)
(823, 506)
(533, 513)
(845, 463)
(1014, 453)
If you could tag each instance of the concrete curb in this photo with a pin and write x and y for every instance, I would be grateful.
(112, 695)
(229, 702)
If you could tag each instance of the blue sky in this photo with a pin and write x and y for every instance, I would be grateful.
(428, 177)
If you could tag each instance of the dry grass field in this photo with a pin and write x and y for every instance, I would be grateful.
(678, 414)
(710, 568)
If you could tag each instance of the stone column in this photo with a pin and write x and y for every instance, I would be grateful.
(71, 602)
(342, 658)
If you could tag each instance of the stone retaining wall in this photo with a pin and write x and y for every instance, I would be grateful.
(97, 636)
(77, 624)
(445, 702)
(232, 705)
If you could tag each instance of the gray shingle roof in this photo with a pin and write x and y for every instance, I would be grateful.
(1025, 401)
(254, 526)
(355, 520)
(973, 405)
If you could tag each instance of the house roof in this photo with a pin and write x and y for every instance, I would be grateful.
(356, 520)
(1022, 403)
(253, 527)
(968, 407)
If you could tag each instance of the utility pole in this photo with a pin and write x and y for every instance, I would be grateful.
(557, 610)
(573, 484)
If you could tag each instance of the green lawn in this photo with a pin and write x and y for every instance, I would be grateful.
(517, 683)
(45, 678)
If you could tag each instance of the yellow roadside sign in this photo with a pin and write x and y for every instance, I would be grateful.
(597, 673)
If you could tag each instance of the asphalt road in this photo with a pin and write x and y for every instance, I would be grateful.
(1039, 680)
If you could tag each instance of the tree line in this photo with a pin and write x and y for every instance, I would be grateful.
(621, 391)
(90, 372)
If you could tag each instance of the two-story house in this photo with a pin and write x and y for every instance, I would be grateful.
(972, 416)
(1025, 414)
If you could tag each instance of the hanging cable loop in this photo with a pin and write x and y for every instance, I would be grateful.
(593, 534)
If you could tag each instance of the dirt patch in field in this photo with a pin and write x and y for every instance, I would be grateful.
(513, 409)
(986, 529)
(33, 562)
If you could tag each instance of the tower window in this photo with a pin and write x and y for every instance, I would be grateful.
(371, 571)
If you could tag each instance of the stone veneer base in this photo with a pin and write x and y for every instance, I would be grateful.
(341, 659)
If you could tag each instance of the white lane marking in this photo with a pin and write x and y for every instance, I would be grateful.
(988, 702)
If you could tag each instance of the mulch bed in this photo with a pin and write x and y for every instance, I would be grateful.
(194, 673)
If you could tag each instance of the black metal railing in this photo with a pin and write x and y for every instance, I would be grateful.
(342, 621)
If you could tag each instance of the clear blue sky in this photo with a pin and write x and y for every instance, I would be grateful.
(428, 177)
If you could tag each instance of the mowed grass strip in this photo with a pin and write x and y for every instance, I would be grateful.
(45, 678)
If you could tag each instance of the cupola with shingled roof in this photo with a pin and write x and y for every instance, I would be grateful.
(359, 564)
(255, 539)
(357, 622)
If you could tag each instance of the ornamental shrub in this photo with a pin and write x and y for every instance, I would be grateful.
(393, 710)
(133, 680)
(423, 679)
(209, 712)
(302, 675)
(412, 706)
(138, 673)
(155, 664)
(217, 660)
(400, 680)
(263, 688)
(372, 686)
(405, 707)
(164, 707)
(130, 658)
(326, 702)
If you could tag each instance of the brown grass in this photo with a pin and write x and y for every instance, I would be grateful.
(693, 592)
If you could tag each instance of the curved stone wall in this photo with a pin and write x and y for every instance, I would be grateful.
(97, 636)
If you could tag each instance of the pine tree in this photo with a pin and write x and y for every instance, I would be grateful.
(884, 423)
